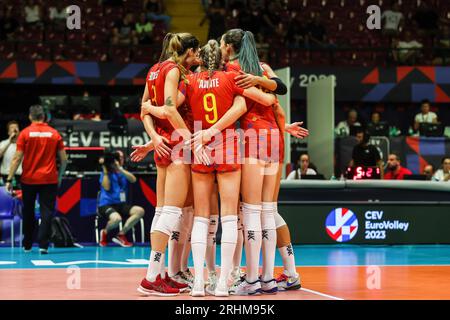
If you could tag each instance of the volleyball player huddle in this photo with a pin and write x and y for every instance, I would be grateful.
(196, 114)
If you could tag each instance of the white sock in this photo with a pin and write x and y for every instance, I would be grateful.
(162, 271)
(152, 273)
(228, 245)
(237, 258)
(154, 265)
(211, 243)
(252, 239)
(187, 244)
(198, 243)
(287, 254)
(269, 240)
(184, 234)
(173, 245)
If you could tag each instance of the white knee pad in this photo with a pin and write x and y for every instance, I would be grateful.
(229, 229)
(251, 217)
(168, 220)
(213, 225)
(200, 230)
(279, 221)
(267, 217)
(158, 211)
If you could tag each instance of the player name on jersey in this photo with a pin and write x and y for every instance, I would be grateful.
(153, 75)
(208, 84)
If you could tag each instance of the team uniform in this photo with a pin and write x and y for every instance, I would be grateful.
(262, 120)
(209, 99)
(155, 82)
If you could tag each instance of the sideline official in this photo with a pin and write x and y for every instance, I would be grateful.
(38, 145)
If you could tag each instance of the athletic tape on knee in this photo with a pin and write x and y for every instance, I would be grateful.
(267, 216)
(158, 211)
(168, 220)
(200, 230)
(279, 221)
(251, 217)
(229, 229)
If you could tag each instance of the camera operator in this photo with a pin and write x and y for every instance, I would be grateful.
(112, 201)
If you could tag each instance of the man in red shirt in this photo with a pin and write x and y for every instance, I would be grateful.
(38, 146)
(394, 170)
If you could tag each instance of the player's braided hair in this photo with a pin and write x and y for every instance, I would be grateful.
(211, 56)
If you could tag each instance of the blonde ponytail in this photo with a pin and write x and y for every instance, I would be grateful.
(177, 48)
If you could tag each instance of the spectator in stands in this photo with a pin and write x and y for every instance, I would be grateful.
(124, 31)
(302, 168)
(38, 146)
(271, 19)
(216, 15)
(375, 118)
(144, 30)
(86, 114)
(442, 55)
(33, 13)
(407, 51)
(428, 171)
(296, 33)
(425, 116)
(317, 34)
(365, 154)
(112, 200)
(8, 24)
(343, 127)
(393, 19)
(8, 149)
(155, 12)
(262, 47)
(427, 19)
(58, 15)
(394, 170)
(250, 17)
(443, 174)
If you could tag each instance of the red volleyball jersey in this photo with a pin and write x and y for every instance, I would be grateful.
(155, 82)
(257, 116)
(210, 98)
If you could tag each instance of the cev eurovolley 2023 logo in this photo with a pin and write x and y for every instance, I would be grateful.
(341, 225)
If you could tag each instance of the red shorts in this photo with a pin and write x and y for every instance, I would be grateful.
(225, 156)
(263, 144)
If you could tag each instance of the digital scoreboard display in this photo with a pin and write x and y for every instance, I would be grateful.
(363, 173)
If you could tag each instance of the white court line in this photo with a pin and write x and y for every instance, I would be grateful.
(321, 294)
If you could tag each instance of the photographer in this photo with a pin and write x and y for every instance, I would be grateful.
(112, 201)
(8, 149)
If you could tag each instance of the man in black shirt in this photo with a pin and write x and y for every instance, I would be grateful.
(365, 154)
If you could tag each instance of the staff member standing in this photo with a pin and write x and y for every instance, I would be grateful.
(38, 145)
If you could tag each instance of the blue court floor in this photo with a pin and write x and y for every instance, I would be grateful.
(306, 255)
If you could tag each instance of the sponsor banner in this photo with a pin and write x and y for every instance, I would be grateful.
(369, 223)
(391, 84)
(380, 84)
(86, 133)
